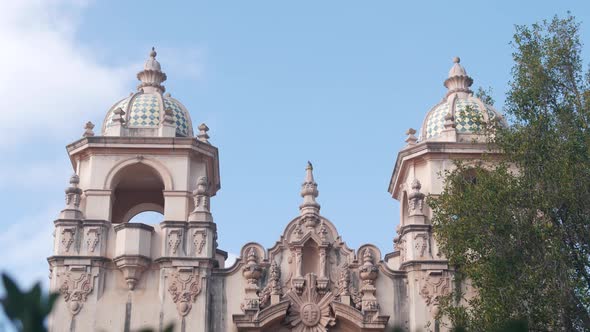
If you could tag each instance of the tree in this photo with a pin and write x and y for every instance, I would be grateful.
(520, 233)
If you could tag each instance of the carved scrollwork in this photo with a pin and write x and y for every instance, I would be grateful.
(433, 286)
(76, 286)
(185, 286)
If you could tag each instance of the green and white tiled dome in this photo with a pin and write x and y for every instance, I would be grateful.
(466, 112)
(468, 115)
(144, 110)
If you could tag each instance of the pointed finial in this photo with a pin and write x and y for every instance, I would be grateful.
(151, 76)
(309, 192)
(458, 80)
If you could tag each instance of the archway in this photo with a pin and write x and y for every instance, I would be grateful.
(137, 188)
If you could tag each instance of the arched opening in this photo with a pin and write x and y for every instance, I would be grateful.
(147, 217)
(137, 188)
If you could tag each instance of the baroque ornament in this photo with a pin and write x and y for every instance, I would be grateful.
(310, 311)
(435, 285)
(75, 289)
(199, 239)
(67, 237)
(93, 238)
(174, 240)
(416, 198)
(185, 285)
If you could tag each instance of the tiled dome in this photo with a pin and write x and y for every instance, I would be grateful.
(143, 112)
(459, 106)
(468, 115)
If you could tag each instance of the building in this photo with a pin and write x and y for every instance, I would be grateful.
(114, 275)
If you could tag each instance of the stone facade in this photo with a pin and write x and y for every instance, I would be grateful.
(115, 275)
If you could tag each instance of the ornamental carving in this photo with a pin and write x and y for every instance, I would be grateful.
(75, 288)
(199, 239)
(421, 244)
(434, 285)
(174, 240)
(185, 285)
(273, 287)
(310, 311)
(252, 273)
(92, 239)
(416, 199)
(67, 237)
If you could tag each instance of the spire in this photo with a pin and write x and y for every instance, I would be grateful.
(309, 192)
(458, 80)
(151, 76)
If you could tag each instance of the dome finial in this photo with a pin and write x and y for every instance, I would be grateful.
(151, 76)
(458, 80)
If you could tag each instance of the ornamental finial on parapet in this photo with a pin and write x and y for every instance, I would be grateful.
(203, 136)
(88, 132)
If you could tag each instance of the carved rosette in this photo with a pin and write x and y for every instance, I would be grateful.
(76, 286)
(185, 285)
(310, 311)
(434, 284)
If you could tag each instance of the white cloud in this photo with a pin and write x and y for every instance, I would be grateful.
(50, 84)
(25, 246)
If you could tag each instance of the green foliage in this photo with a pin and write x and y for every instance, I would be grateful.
(520, 233)
(26, 310)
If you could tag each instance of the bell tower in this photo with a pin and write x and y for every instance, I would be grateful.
(144, 159)
(451, 131)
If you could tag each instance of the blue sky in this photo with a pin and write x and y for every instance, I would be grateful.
(278, 83)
